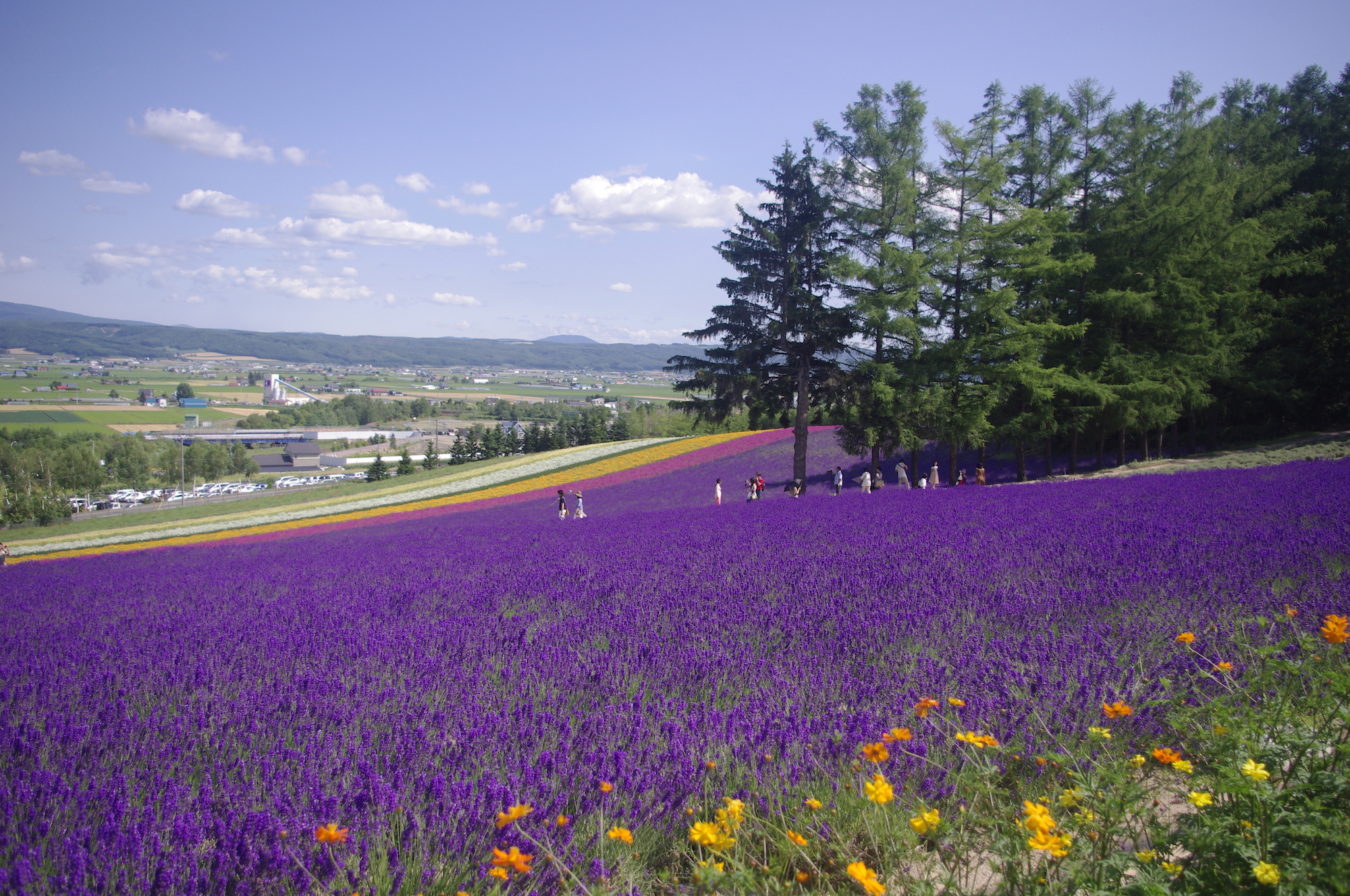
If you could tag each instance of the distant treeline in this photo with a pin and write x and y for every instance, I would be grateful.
(101, 340)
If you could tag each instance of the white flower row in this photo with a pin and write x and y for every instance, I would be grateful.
(512, 470)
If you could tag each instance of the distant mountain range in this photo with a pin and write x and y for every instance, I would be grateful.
(50, 332)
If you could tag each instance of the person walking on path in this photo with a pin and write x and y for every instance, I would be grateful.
(750, 489)
(980, 478)
(717, 492)
(934, 480)
(838, 479)
(580, 512)
(759, 486)
(4, 553)
(902, 470)
(865, 480)
(562, 505)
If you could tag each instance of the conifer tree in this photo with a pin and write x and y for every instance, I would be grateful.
(779, 338)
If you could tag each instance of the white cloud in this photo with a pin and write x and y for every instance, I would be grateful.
(417, 182)
(106, 183)
(365, 203)
(525, 224)
(52, 162)
(307, 285)
(487, 209)
(377, 233)
(621, 287)
(14, 265)
(597, 204)
(107, 260)
(477, 188)
(450, 298)
(198, 132)
(513, 266)
(216, 203)
(246, 236)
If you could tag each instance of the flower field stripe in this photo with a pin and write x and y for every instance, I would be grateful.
(628, 464)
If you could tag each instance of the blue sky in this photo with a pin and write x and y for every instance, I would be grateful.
(498, 170)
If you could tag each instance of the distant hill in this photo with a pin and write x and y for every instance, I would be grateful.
(51, 332)
(569, 340)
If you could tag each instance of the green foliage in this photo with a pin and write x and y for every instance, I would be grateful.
(378, 471)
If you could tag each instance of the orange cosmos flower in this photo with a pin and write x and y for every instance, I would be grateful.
(330, 833)
(896, 734)
(1166, 755)
(606, 787)
(796, 838)
(875, 752)
(1334, 629)
(518, 811)
(514, 859)
(924, 705)
(1117, 710)
(618, 833)
(1186, 637)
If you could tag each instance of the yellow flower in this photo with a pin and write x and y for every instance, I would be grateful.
(1267, 872)
(731, 814)
(331, 833)
(1199, 799)
(1146, 855)
(1224, 666)
(897, 734)
(867, 877)
(1184, 766)
(1333, 630)
(1137, 760)
(606, 787)
(618, 833)
(1117, 710)
(921, 708)
(705, 833)
(802, 877)
(1172, 868)
(1166, 755)
(876, 752)
(1037, 817)
(1069, 797)
(956, 701)
(1186, 638)
(925, 821)
(1099, 732)
(813, 803)
(879, 790)
(710, 765)
(516, 860)
(520, 810)
(1054, 844)
(1255, 770)
(978, 740)
(796, 837)
(501, 873)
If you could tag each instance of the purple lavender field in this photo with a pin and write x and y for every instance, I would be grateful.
(180, 720)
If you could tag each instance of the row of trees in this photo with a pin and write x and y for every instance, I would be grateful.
(1067, 273)
(40, 470)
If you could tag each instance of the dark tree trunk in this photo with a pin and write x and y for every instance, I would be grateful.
(1049, 456)
(800, 427)
(1073, 451)
(1120, 448)
(1021, 461)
